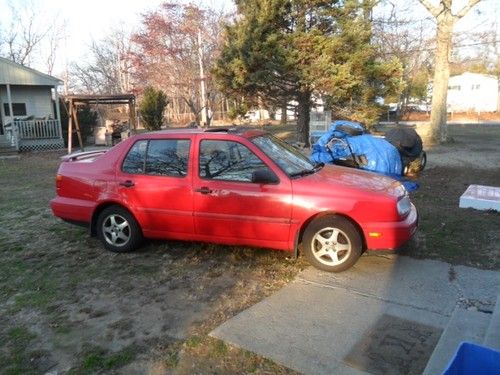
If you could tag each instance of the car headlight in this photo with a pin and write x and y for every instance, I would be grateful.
(404, 206)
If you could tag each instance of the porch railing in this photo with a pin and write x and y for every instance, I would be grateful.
(32, 130)
(37, 129)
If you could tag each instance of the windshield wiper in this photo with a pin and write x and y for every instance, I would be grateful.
(306, 172)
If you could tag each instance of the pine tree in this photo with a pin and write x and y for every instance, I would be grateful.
(283, 50)
(152, 107)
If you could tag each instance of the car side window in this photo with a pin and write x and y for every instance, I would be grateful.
(158, 157)
(227, 161)
(134, 161)
(167, 157)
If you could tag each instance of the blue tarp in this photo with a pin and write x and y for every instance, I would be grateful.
(372, 153)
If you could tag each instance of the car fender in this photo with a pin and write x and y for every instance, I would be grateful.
(101, 205)
(301, 227)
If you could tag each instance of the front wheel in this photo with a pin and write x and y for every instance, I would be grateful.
(332, 243)
(118, 230)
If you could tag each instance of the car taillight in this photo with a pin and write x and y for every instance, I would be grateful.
(58, 181)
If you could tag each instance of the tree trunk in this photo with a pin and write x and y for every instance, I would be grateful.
(284, 112)
(438, 125)
(303, 117)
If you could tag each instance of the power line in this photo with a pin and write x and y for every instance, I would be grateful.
(494, 42)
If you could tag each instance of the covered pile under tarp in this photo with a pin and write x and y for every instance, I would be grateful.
(347, 143)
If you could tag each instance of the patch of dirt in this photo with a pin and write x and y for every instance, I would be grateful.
(68, 305)
(86, 310)
(472, 147)
(447, 232)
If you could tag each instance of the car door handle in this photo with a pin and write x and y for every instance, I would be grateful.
(203, 190)
(127, 183)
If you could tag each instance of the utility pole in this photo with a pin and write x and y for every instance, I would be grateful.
(204, 109)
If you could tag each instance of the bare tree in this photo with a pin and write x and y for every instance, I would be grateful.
(53, 41)
(445, 20)
(32, 37)
(107, 69)
(167, 53)
(25, 34)
(397, 34)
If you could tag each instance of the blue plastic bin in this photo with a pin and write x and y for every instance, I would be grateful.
(473, 359)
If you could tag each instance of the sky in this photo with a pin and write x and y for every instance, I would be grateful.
(93, 19)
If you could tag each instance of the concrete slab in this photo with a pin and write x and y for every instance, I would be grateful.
(481, 198)
(312, 329)
(492, 337)
(313, 324)
(425, 284)
(464, 325)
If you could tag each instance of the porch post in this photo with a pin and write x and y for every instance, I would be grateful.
(2, 118)
(58, 111)
(15, 131)
(9, 100)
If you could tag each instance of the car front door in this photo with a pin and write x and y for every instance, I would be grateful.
(155, 183)
(229, 207)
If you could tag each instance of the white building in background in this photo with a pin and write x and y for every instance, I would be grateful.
(472, 92)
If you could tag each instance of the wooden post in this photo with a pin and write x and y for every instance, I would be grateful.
(78, 130)
(70, 126)
(132, 116)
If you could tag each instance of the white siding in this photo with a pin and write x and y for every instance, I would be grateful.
(38, 100)
(472, 92)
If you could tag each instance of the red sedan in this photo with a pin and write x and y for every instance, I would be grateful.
(238, 187)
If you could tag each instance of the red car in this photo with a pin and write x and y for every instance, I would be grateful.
(231, 186)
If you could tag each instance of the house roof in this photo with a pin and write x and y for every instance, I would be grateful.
(12, 73)
(473, 75)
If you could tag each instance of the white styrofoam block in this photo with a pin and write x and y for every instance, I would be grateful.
(481, 198)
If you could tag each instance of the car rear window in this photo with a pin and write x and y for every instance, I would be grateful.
(158, 157)
(134, 161)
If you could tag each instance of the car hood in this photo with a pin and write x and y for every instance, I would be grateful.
(355, 179)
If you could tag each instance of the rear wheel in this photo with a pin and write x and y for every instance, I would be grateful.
(332, 243)
(118, 230)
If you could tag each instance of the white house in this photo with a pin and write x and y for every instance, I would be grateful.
(472, 92)
(29, 108)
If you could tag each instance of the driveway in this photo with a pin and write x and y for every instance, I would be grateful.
(383, 316)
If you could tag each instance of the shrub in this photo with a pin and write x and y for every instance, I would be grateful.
(152, 107)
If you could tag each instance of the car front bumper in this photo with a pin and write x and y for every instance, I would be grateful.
(388, 236)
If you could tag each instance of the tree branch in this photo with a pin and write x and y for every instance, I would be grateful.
(466, 8)
(431, 8)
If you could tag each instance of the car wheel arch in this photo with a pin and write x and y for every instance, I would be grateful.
(102, 206)
(300, 233)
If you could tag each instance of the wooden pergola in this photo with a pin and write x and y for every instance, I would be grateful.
(74, 101)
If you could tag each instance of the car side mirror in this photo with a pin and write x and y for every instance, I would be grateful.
(264, 176)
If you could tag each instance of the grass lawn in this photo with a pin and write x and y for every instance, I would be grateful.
(67, 304)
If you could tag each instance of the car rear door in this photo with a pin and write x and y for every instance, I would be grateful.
(154, 181)
(228, 206)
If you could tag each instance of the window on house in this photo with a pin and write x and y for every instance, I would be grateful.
(476, 87)
(19, 109)
(456, 87)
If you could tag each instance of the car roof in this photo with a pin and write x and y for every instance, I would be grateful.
(241, 131)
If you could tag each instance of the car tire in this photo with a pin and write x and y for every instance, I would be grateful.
(423, 160)
(332, 243)
(118, 230)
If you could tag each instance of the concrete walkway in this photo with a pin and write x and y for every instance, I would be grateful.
(384, 316)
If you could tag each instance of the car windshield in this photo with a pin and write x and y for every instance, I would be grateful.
(289, 159)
